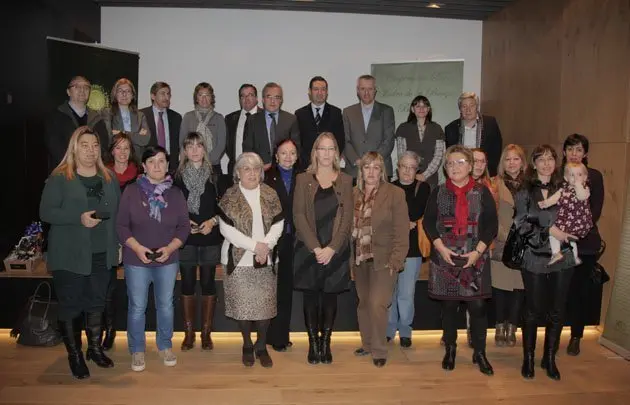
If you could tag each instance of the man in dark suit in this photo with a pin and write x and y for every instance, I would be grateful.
(316, 117)
(475, 130)
(265, 129)
(235, 124)
(164, 122)
(369, 126)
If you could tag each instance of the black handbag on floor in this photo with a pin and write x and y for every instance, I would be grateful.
(36, 324)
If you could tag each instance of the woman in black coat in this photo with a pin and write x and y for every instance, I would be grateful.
(281, 177)
(575, 150)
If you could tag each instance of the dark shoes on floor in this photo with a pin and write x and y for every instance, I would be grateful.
(405, 342)
(574, 346)
(361, 352)
(282, 348)
(248, 358)
(379, 362)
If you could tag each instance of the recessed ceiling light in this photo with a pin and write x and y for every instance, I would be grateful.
(434, 5)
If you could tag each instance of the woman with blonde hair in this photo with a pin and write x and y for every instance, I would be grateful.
(80, 202)
(507, 284)
(203, 246)
(125, 116)
(380, 234)
(322, 214)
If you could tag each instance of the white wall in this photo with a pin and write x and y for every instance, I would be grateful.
(229, 47)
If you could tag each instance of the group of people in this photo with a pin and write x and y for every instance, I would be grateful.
(285, 215)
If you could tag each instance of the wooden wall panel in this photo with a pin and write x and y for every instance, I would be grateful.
(552, 68)
(595, 70)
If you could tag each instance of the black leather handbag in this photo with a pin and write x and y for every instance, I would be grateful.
(36, 324)
(598, 273)
(514, 249)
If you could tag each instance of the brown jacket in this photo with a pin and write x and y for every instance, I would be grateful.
(390, 227)
(304, 210)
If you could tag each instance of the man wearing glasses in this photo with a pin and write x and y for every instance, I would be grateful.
(266, 129)
(235, 124)
(69, 116)
(474, 130)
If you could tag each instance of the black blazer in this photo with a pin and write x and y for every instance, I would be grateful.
(174, 123)
(231, 123)
(256, 138)
(274, 179)
(491, 140)
(332, 121)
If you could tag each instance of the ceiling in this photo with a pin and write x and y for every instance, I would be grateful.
(457, 9)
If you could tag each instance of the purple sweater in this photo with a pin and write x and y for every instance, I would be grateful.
(133, 220)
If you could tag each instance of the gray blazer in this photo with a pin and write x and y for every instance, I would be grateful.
(216, 125)
(256, 137)
(378, 137)
(138, 123)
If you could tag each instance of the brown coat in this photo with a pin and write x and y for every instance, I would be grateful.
(304, 210)
(390, 227)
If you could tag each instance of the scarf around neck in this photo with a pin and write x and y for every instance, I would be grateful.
(155, 195)
(195, 181)
(461, 205)
(478, 128)
(203, 118)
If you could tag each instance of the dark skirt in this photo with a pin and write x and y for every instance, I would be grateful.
(310, 275)
(448, 282)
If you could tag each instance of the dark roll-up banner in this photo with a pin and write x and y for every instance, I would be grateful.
(102, 66)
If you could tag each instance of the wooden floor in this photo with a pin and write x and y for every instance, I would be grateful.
(412, 376)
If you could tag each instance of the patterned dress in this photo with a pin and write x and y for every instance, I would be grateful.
(574, 216)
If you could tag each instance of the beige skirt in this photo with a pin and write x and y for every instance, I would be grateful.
(250, 293)
(504, 278)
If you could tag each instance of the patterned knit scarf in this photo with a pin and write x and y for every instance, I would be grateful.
(478, 127)
(362, 229)
(514, 185)
(461, 205)
(203, 117)
(155, 195)
(195, 181)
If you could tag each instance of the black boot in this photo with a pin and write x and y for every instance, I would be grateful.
(552, 337)
(573, 349)
(324, 348)
(313, 346)
(110, 334)
(448, 363)
(71, 334)
(529, 352)
(93, 329)
(109, 315)
(480, 359)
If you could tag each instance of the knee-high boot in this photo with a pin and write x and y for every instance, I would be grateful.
(552, 340)
(311, 321)
(208, 303)
(189, 306)
(529, 351)
(71, 334)
(109, 315)
(329, 313)
(94, 326)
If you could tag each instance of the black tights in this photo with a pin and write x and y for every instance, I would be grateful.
(508, 305)
(320, 310)
(206, 279)
(478, 322)
(261, 333)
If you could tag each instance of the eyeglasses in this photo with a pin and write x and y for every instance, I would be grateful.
(329, 149)
(124, 92)
(459, 163)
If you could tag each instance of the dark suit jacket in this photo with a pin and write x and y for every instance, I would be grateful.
(231, 123)
(331, 121)
(491, 140)
(256, 138)
(174, 122)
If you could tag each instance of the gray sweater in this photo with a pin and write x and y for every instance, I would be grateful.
(216, 126)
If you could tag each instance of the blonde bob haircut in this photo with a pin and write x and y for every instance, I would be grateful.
(68, 165)
(511, 148)
(312, 168)
(367, 159)
(191, 139)
(249, 159)
(468, 155)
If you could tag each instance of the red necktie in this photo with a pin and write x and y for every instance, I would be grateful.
(161, 133)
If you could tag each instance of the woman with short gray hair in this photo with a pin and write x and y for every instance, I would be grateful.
(402, 310)
(251, 220)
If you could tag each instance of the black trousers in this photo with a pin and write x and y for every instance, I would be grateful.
(79, 293)
(478, 322)
(507, 305)
(279, 328)
(580, 295)
(545, 303)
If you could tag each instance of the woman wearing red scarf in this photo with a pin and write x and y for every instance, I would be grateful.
(461, 221)
(121, 160)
